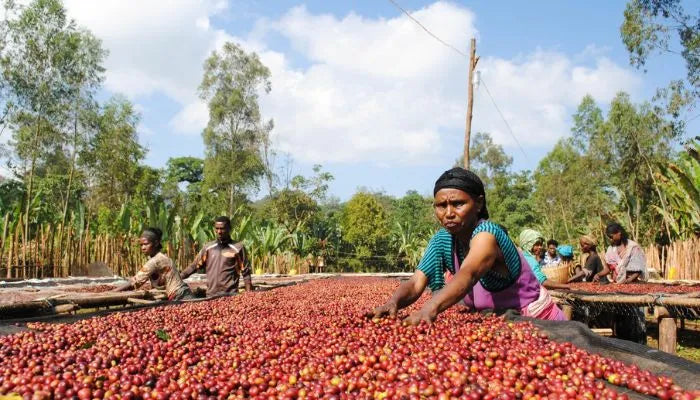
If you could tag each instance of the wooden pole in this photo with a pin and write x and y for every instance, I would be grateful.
(473, 59)
(667, 330)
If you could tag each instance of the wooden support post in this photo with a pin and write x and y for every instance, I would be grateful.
(568, 311)
(667, 330)
(473, 59)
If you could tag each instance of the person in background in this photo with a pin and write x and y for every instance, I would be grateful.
(551, 256)
(630, 266)
(530, 242)
(159, 269)
(566, 254)
(224, 262)
(625, 255)
(578, 274)
(610, 264)
(593, 268)
(487, 270)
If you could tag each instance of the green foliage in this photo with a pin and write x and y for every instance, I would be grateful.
(114, 154)
(291, 208)
(11, 195)
(184, 169)
(409, 244)
(162, 335)
(316, 186)
(681, 182)
(488, 159)
(607, 171)
(235, 133)
(416, 211)
(648, 28)
(510, 201)
(566, 196)
(365, 225)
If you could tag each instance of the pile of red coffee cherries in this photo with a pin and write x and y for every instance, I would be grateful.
(308, 341)
(633, 288)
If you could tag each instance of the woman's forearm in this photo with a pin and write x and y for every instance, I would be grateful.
(406, 294)
(123, 287)
(454, 292)
(604, 272)
(631, 277)
(548, 284)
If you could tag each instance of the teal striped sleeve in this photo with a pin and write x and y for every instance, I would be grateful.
(436, 258)
(535, 267)
(493, 281)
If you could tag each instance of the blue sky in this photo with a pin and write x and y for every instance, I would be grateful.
(362, 90)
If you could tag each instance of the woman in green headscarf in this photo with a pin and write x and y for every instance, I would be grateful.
(531, 242)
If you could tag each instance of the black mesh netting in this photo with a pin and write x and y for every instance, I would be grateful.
(590, 309)
(684, 372)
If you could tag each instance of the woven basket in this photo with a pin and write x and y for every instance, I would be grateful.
(558, 274)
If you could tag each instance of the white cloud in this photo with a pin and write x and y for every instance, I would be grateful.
(154, 46)
(353, 89)
(538, 93)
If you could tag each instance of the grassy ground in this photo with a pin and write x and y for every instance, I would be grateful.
(688, 345)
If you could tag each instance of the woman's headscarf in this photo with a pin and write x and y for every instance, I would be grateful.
(589, 240)
(565, 250)
(528, 238)
(464, 180)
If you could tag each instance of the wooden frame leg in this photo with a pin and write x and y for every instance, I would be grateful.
(667, 331)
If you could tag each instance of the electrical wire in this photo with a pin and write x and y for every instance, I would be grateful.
(426, 29)
(503, 117)
(691, 118)
(465, 56)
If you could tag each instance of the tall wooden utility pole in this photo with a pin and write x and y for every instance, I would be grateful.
(473, 59)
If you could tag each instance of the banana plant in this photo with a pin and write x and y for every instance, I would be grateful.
(161, 217)
(265, 242)
(681, 183)
(409, 243)
(198, 230)
(302, 244)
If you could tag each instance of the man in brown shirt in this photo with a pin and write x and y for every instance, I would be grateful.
(224, 262)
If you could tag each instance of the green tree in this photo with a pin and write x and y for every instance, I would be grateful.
(607, 170)
(488, 159)
(38, 61)
(182, 183)
(235, 133)
(565, 194)
(680, 181)
(114, 155)
(316, 186)
(510, 201)
(83, 80)
(415, 211)
(365, 225)
(639, 138)
(648, 27)
(291, 208)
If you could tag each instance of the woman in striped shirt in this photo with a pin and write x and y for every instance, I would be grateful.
(476, 258)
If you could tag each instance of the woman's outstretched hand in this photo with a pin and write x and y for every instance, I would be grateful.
(422, 315)
(388, 309)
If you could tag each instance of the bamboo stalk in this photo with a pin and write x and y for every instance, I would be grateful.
(5, 226)
(9, 258)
